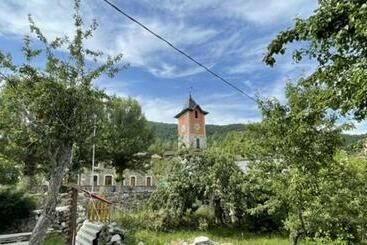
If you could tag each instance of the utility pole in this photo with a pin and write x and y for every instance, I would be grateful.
(93, 152)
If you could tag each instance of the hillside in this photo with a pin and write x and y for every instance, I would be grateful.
(167, 132)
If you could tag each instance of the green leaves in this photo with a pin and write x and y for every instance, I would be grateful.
(337, 40)
(123, 133)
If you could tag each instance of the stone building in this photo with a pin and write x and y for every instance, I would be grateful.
(104, 178)
(191, 126)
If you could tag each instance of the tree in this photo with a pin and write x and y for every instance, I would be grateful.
(18, 148)
(335, 35)
(210, 176)
(124, 134)
(299, 165)
(9, 173)
(56, 104)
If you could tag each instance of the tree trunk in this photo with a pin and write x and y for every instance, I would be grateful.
(294, 237)
(62, 160)
(218, 211)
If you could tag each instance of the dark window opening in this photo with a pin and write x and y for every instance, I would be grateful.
(149, 181)
(196, 114)
(95, 180)
(198, 143)
(132, 181)
(108, 180)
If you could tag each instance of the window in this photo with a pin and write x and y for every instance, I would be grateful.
(149, 181)
(95, 180)
(196, 114)
(124, 181)
(198, 143)
(133, 181)
(108, 180)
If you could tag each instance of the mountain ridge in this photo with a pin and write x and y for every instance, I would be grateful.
(167, 132)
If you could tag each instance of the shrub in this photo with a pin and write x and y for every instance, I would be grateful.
(154, 221)
(164, 220)
(14, 205)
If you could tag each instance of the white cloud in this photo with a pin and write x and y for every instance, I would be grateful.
(359, 128)
(268, 11)
(255, 11)
(159, 110)
(115, 34)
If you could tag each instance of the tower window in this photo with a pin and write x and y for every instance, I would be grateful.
(196, 114)
(198, 143)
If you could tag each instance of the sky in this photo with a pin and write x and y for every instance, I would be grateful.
(230, 37)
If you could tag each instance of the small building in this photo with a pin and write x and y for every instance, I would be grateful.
(191, 126)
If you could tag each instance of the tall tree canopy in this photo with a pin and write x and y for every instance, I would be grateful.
(335, 36)
(299, 164)
(54, 104)
(125, 132)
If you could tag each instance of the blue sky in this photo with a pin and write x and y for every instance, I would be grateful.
(228, 36)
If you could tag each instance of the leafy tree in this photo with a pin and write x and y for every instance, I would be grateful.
(124, 133)
(9, 173)
(298, 164)
(20, 149)
(55, 105)
(335, 36)
(210, 176)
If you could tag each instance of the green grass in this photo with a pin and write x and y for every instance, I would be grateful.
(54, 239)
(222, 235)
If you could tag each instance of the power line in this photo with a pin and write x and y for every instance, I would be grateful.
(179, 50)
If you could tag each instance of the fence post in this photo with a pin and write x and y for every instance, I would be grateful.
(73, 208)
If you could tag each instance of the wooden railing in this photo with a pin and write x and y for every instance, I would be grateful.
(98, 208)
(98, 211)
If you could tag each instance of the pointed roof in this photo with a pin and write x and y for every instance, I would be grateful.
(190, 105)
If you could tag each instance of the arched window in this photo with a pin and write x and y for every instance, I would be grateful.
(149, 181)
(198, 143)
(196, 114)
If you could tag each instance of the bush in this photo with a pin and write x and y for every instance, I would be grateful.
(14, 205)
(164, 220)
(154, 221)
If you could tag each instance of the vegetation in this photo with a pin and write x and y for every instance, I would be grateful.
(53, 106)
(54, 239)
(303, 178)
(336, 38)
(14, 206)
(167, 132)
(166, 135)
(297, 181)
(223, 235)
(124, 132)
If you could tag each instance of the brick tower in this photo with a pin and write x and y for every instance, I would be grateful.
(191, 126)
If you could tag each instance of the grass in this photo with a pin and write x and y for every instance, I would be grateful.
(54, 239)
(222, 235)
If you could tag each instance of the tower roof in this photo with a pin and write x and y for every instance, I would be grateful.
(190, 105)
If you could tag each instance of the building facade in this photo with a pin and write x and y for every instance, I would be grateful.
(104, 178)
(191, 126)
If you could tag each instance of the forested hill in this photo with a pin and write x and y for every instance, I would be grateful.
(168, 131)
